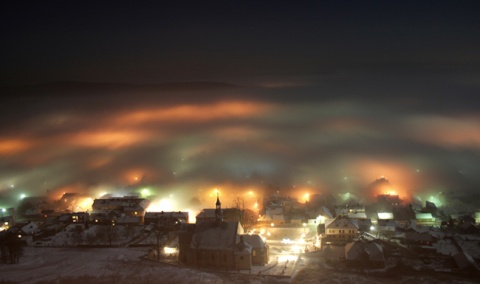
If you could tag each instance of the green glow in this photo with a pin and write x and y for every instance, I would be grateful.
(435, 200)
(145, 192)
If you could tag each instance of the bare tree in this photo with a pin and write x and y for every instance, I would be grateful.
(239, 205)
(107, 233)
(77, 234)
(249, 219)
(159, 231)
(246, 217)
(11, 247)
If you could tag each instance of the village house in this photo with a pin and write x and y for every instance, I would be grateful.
(340, 230)
(77, 217)
(365, 255)
(273, 215)
(386, 224)
(165, 217)
(221, 244)
(318, 215)
(364, 223)
(425, 219)
(476, 216)
(419, 239)
(260, 250)
(349, 207)
(387, 202)
(213, 244)
(130, 209)
(403, 214)
(229, 214)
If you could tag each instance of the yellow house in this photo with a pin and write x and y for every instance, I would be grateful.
(340, 230)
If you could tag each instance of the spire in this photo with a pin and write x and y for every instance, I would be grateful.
(218, 210)
(218, 204)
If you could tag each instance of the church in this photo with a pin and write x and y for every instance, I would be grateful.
(218, 244)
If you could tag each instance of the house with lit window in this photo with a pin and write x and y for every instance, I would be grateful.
(221, 245)
(318, 215)
(77, 217)
(129, 208)
(165, 217)
(349, 208)
(214, 245)
(340, 230)
(425, 219)
(229, 214)
(260, 249)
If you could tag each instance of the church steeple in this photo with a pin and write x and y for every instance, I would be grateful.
(218, 210)
(218, 205)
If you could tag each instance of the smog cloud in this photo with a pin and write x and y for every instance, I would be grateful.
(329, 135)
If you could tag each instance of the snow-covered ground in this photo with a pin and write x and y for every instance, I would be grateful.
(106, 265)
(126, 265)
(68, 264)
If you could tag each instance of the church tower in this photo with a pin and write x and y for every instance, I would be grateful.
(218, 210)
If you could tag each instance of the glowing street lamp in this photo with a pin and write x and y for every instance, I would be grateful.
(145, 192)
(306, 197)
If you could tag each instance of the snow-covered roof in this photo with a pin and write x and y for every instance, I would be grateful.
(445, 247)
(415, 236)
(269, 218)
(254, 241)
(32, 212)
(385, 215)
(173, 214)
(213, 235)
(317, 212)
(420, 216)
(274, 211)
(341, 222)
(243, 247)
(387, 223)
(30, 227)
(117, 203)
(207, 213)
(354, 251)
(463, 260)
(357, 215)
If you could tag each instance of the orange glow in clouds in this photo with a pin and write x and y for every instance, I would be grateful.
(12, 146)
(458, 132)
(193, 112)
(109, 139)
(237, 133)
(135, 176)
(401, 177)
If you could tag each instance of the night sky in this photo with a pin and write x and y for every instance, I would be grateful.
(188, 96)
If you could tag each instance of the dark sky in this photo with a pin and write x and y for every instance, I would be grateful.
(318, 96)
(163, 41)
